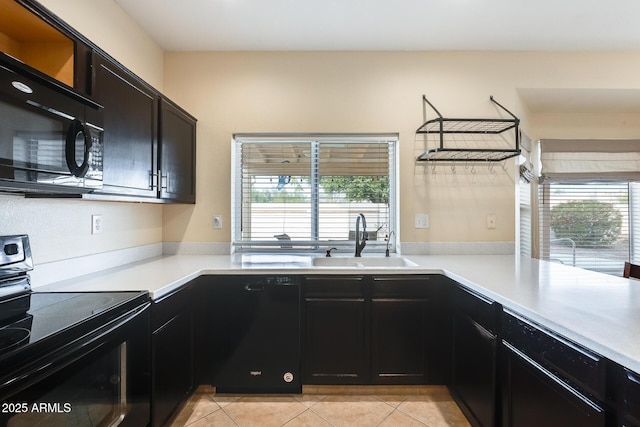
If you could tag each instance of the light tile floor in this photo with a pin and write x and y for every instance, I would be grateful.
(430, 406)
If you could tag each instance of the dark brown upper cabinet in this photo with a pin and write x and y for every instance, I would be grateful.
(149, 141)
(130, 129)
(177, 146)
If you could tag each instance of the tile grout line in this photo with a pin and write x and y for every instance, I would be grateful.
(186, 423)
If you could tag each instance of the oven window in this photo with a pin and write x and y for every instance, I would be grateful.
(89, 392)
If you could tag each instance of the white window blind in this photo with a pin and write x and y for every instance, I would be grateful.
(305, 192)
(589, 160)
(589, 207)
(525, 218)
(587, 224)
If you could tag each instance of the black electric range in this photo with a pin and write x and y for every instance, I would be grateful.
(37, 322)
(70, 358)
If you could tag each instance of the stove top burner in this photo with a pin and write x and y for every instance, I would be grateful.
(13, 337)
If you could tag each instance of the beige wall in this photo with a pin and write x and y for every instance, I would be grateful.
(233, 92)
(323, 92)
(60, 229)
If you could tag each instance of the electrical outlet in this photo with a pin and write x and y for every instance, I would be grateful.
(491, 221)
(217, 222)
(421, 221)
(96, 224)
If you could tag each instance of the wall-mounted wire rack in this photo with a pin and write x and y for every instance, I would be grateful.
(441, 127)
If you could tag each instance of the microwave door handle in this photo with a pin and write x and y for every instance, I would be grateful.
(77, 129)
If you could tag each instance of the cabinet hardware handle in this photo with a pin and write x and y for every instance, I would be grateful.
(165, 178)
(153, 178)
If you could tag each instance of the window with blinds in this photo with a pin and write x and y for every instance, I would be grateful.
(591, 225)
(589, 202)
(305, 192)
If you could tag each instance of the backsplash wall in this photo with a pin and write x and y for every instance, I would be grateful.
(61, 229)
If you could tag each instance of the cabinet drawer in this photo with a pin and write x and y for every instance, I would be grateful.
(334, 286)
(169, 306)
(478, 308)
(580, 367)
(403, 287)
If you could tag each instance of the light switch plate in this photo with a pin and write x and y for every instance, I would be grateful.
(217, 222)
(422, 221)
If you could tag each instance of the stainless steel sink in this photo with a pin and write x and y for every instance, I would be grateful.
(362, 262)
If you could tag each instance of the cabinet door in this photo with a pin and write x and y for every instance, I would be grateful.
(172, 367)
(130, 129)
(335, 342)
(177, 153)
(534, 397)
(172, 374)
(398, 340)
(474, 370)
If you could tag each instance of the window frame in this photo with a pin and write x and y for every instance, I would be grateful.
(630, 224)
(238, 244)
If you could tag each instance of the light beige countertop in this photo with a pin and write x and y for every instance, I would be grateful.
(599, 311)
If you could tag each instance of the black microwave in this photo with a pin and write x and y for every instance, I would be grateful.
(51, 137)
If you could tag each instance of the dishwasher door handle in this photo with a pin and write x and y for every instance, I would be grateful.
(254, 287)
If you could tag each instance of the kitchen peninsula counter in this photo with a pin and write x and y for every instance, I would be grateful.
(598, 311)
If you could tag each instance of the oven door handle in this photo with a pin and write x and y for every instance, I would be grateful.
(68, 354)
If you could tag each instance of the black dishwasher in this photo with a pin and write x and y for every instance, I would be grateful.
(255, 334)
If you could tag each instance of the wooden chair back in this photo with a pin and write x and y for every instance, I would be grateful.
(631, 270)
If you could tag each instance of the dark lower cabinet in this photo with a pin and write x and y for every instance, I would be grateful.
(534, 397)
(407, 316)
(375, 330)
(474, 376)
(335, 345)
(335, 348)
(172, 354)
(475, 350)
(398, 341)
(623, 387)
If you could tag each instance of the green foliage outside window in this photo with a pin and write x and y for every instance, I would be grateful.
(373, 189)
(587, 222)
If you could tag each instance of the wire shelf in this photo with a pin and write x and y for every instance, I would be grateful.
(467, 155)
(441, 126)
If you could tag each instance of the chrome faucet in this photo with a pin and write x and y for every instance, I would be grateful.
(360, 244)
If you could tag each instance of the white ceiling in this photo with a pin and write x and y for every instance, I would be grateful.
(389, 24)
